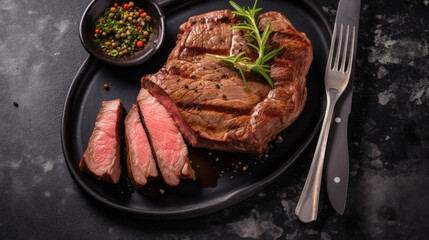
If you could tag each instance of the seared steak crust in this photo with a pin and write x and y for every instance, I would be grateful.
(207, 99)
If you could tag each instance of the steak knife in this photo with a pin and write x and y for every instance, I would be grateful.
(337, 154)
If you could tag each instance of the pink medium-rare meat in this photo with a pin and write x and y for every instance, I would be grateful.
(168, 145)
(207, 98)
(140, 162)
(102, 156)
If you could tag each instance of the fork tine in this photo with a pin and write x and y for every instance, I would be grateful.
(346, 42)
(340, 40)
(331, 50)
(352, 48)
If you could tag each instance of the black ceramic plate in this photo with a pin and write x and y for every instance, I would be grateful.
(219, 183)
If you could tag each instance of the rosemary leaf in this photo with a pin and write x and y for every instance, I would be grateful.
(243, 63)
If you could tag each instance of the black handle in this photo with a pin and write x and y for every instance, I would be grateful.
(337, 155)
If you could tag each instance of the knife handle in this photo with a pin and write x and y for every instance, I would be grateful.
(337, 156)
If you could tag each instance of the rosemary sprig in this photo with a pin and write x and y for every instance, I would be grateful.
(243, 63)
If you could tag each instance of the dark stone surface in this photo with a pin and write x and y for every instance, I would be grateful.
(389, 139)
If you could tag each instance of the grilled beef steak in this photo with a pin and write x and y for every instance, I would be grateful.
(208, 100)
(169, 147)
(102, 157)
(140, 162)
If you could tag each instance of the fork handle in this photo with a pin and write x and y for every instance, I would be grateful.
(306, 208)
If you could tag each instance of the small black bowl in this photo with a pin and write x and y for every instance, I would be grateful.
(96, 9)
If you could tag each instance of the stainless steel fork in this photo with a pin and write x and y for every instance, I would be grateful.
(336, 80)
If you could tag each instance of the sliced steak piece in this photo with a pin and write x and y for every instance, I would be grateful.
(169, 147)
(102, 156)
(207, 99)
(140, 162)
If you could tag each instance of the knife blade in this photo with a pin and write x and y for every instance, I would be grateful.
(337, 154)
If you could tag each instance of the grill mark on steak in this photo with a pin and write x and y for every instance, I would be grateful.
(194, 51)
(214, 108)
(223, 19)
(172, 70)
(227, 117)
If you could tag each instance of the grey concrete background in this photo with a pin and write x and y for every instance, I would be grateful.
(389, 139)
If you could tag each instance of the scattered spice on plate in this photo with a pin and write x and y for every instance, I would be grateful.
(106, 86)
(15, 104)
